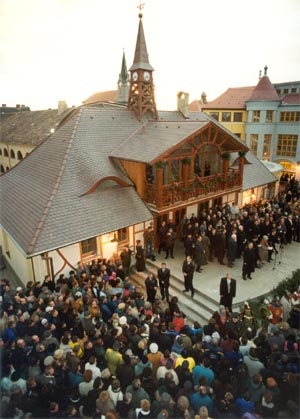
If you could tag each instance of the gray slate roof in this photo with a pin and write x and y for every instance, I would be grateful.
(45, 207)
(256, 173)
(29, 127)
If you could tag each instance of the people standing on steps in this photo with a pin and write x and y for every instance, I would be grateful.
(149, 241)
(139, 257)
(188, 269)
(199, 254)
(227, 291)
(248, 261)
(151, 287)
(162, 234)
(170, 242)
(231, 250)
(163, 275)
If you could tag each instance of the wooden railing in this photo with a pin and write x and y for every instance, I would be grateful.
(174, 193)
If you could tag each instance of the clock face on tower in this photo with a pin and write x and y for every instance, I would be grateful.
(134, 76)
(146, 76)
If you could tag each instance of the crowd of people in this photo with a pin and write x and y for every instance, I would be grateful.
(92, 345)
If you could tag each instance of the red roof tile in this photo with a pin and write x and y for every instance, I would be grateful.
(233, 98)
(264, 91)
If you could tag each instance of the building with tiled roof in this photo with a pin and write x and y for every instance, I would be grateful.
(265, 116)
(108, 170)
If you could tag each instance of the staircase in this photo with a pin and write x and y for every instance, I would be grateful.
(199, 308)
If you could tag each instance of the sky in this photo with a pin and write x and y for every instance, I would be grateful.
(53, 50)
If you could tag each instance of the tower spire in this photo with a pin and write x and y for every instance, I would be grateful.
(141, 94)
(123, 82)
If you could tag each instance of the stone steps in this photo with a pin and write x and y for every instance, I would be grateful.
(200, 308)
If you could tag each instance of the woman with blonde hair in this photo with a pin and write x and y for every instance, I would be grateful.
(104, 403)
(144, 411)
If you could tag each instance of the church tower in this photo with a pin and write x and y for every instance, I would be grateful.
(123, 83)
(141, 94)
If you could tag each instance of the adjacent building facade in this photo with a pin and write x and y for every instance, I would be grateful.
(265, 116)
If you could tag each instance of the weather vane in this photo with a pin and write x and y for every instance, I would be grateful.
(140, 7)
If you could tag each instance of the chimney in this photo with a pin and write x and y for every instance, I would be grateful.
(18, 106)
(183, 103)
(62, 106)
(3, 105)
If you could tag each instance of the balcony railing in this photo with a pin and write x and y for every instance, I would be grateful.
(177, 192)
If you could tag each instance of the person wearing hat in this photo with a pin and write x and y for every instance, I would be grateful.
(154, 357)
(227, 291)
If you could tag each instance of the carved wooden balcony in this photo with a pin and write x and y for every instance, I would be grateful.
(177, 192)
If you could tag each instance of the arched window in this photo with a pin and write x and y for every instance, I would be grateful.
(2, 168)
(0, 151)
(19, 155)
(7, 168)
(5, 152)
(12, 154)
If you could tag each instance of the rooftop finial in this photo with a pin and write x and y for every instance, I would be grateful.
(259, 76)
(266, 70)
(140, 7)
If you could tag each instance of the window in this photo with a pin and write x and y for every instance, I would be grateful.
(12, 154)
(19, 155)
(254, 143)
(238, 116)
(226, 116)
(285, 90)
(2, 168)
(0, 151)
(255, 116)
(267, 146)
(5, 152)
(287, 145)
(269, 116)
(207, 162)
(88, 247)
(294, 90)
(289, 116)
(214, 115)
(122, 235)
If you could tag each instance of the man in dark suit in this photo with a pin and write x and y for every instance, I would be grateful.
(227, 291)
(163, 275)
(188, 269)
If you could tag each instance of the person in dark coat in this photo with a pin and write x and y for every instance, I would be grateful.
(151, 287)
(170, 242)
(232, 250)
(249, 261)
(162, 234)
(188, 269)
(163, 275)
(140, 257)
(220, 246)
(126, 260)
(199, 254)
(227, 291)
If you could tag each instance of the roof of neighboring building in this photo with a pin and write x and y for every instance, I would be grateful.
(255, 172)
(264, 91)
(30, 127)
(8, 109)
(290, 99)
(233, 98)
(51, 206)
(107, 96)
